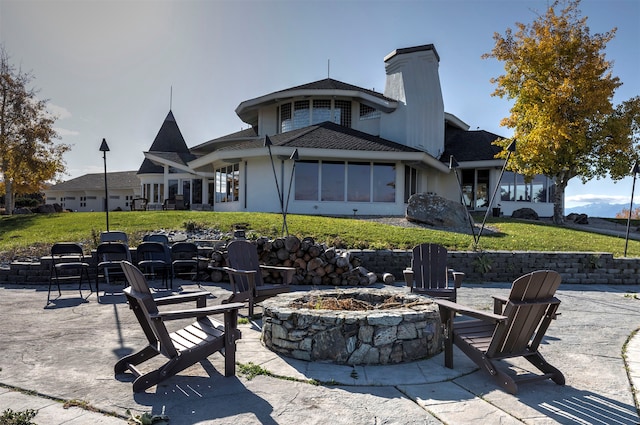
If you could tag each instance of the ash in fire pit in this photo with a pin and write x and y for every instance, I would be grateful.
(356, 326)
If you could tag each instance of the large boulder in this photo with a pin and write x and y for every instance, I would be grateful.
(435, 210)
(22, 210)
(525, 213)
(46, 209)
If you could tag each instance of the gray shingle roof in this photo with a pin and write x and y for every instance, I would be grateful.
(327, 135)
(467, 145)
(169, 137)
(115, 180)
(331, 84)
(168, 140)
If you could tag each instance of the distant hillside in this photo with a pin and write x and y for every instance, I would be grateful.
(598, 210)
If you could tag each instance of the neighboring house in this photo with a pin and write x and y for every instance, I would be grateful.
(359, 151)
(86, 193)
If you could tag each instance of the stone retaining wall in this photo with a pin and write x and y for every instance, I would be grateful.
(506, 266)
(487, 266)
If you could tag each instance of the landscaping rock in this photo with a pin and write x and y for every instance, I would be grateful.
(46, 209)
(22, 210)
(526, 214)
(435, 210)
(578, 218)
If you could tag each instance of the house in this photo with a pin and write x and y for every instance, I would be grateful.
(86, 193)
(332, 148)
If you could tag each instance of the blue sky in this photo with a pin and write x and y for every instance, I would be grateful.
(108, 67)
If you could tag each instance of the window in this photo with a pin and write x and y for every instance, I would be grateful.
(196, 196)
(285, 118)
(359, 181)
(303, 113)
(333, 181)
(384, 183)
(367, 112)
(153, 192)
(307, 181)
(513, 187)
(186, 191)
(227, 184)
(173, 188)
(342, 113)
(410, 182)
(321, 111)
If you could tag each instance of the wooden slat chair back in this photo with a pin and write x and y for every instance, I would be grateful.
(530, 308)
(245, 275)
(67, 263)
(515, 329)
(429, 273)
(184, 347)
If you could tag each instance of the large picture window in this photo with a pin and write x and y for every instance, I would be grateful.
(359, 182)
(513, 187)
(332, 180)
(307, 188)
(384, 183)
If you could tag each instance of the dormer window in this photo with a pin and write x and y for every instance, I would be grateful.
(303, 113)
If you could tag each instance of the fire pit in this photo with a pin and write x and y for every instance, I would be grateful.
(353, 326)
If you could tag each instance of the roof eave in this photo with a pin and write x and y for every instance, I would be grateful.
(163, 161)
(248, 110)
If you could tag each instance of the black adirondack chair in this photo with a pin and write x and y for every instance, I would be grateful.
(245, 274)
(184, 347)
(429, 274)
(514, 329)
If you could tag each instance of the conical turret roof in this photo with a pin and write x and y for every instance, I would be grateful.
(169, 140)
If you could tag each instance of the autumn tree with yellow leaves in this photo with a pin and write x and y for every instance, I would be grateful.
(29, 157)
(561, 85)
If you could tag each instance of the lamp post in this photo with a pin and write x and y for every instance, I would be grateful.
(104, 148)
(634, 170)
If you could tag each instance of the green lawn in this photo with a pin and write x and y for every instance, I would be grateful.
(34, 234)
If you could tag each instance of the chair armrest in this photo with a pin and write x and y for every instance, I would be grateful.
(408, 277)
(239, 272)
(196, 312)
(287, 272)
(498, 303)
(467, 311)
(457, 278)
(180, 298)
(237, 287)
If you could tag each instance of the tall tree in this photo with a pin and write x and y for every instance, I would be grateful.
(29, 157)
(564, 122)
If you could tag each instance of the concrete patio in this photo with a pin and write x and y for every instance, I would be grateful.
(66, 353)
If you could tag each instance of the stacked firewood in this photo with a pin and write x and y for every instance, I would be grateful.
(315, 264)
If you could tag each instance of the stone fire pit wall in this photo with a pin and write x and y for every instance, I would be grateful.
(385, 336)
